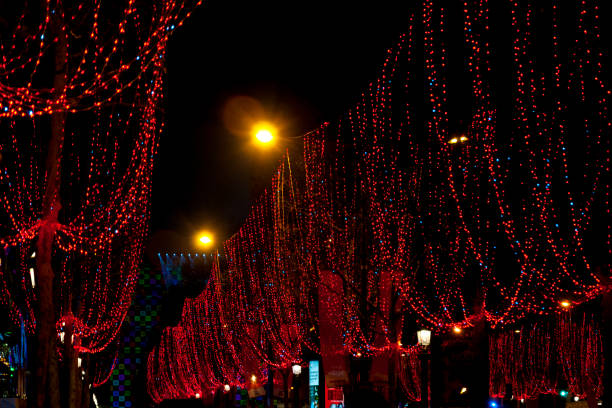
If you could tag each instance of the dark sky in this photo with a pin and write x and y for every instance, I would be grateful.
(304, 61)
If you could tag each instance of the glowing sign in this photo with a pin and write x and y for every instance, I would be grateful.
(313, 373)
(313, 381)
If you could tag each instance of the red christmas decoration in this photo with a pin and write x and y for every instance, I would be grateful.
(536, 359)
(398, 214)
(80, 86)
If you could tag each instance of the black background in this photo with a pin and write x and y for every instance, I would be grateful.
(305, 62)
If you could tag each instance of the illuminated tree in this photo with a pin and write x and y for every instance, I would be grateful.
(80, 89)
(490, 212)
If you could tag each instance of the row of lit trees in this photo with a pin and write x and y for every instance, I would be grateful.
(396, 218)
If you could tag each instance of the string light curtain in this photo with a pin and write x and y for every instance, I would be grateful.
(86, 199)
(255, 315)
(414, 207)
(408, 368)
(103, 365)
(541, 358)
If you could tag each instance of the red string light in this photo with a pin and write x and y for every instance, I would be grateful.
(108, 102)
(534, 358)
(396, 213)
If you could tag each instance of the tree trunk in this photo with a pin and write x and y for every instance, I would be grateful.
(286, 385)
(436, 379)
(85, 396)
(479, 387)
(54, 381)
(85, 391)
(45, 326)
(74, 373)
(606, 331)
(47, 365)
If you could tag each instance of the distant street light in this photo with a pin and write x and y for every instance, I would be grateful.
(458, 139)
(205, 239)
(296, 369)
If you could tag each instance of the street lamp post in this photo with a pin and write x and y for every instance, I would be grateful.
(424, 339)
(297, 370)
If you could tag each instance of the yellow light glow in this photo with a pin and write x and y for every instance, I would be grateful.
(458, 139)
(264, 132)
(463, 390)
(565, 304)
(264, 136)
(457, 329)
(253, 378)
(204, 239)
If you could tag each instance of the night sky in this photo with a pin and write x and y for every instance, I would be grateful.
(304, 62)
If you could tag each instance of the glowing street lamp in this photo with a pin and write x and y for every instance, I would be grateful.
(565, 304)
(424, 338)
(205, 239)
(264, 136)
(458, 139)
(264, 133)
(296, 369)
